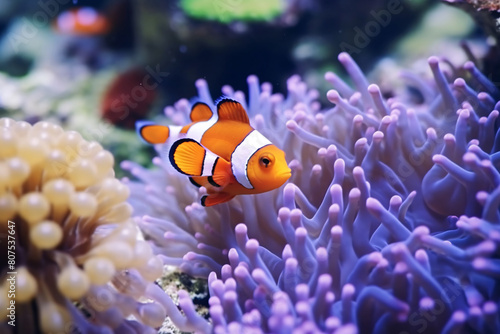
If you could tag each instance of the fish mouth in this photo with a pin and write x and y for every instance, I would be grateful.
(285, 175)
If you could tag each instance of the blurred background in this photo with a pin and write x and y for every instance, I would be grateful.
(98, 66)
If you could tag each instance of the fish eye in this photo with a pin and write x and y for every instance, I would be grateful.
(266, 160)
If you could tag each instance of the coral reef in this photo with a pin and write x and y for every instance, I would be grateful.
(487, 5)
(486, 15)
(76, 261)
(389, 223)
(485, 12)
(228, 11)
(175, 284)
(54, 95)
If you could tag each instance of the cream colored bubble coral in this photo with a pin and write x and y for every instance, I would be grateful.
(74, 248)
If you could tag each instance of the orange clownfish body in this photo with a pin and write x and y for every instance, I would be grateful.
(82, 21)
(221, 152)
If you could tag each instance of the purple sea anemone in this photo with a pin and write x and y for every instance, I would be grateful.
(390, 222)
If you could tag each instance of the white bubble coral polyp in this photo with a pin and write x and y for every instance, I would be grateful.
(72, 234)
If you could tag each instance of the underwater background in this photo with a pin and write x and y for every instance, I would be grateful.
(387, 111)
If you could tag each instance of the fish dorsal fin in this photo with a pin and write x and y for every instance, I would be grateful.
(200, 112)
(152, 133)
(228, 109)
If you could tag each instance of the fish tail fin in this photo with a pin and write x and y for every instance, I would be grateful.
(152, 133)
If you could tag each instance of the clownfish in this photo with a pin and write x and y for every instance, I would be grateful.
(221, 152)
(82, 21)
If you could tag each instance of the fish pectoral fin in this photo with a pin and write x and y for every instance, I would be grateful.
(214, 199)
(152, 133)
(200, 112)
(187, 156)
(228, 109)
(191, 158)
(221, 174)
